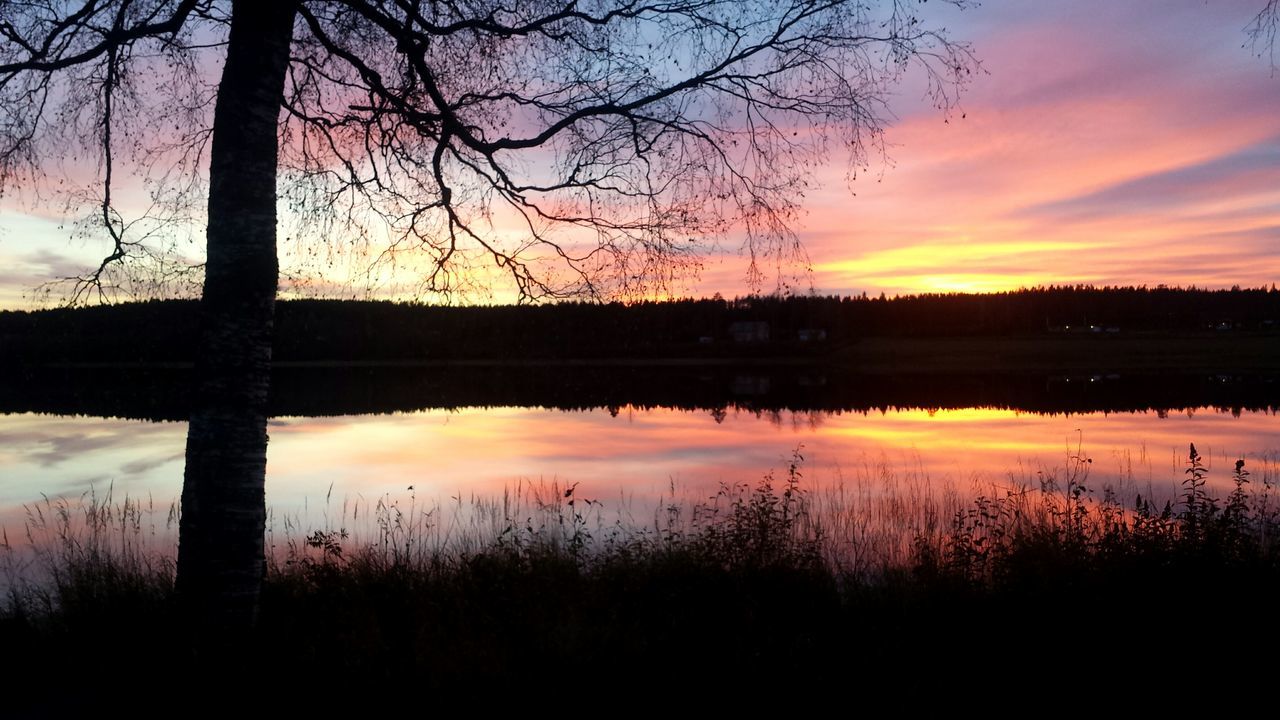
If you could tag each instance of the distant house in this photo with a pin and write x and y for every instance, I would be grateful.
(754, 331)
(812, 335)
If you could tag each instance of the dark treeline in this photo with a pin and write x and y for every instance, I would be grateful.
(332, 330)
(160, 394)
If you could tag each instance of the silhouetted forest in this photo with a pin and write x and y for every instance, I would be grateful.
(161, 393)
(333, 330)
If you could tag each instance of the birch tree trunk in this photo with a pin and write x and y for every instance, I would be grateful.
(220, 553)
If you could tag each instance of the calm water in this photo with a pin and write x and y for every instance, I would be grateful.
(624, 454)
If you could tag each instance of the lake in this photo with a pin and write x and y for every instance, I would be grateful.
(628, 436)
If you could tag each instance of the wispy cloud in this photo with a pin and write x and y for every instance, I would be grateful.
(1088, 154)
(1250, 176)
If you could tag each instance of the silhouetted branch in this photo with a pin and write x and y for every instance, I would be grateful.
(71, 68)
(1262, 31)
(78, 39)
(578, 148)
(620, 139)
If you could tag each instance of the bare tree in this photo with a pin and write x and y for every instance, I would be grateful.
(589, 147)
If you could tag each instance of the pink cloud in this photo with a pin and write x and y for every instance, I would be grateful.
(1156, 139)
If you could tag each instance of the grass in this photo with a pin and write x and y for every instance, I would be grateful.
(770, 588)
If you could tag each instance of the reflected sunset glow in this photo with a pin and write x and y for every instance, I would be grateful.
(633, 458)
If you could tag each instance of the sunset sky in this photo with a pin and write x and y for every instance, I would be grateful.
(1106, 143)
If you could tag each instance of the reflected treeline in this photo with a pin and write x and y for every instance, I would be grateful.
(162, 394)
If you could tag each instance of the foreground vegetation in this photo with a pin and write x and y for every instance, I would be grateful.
(771, 589)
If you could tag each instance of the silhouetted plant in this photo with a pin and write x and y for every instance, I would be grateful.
(754, 572)
(1198, 506)
(328, 542)
(761, 526)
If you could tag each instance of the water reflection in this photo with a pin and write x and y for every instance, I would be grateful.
(162, 393)
(627, 455)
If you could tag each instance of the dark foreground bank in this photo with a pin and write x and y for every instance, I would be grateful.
(1058, 594)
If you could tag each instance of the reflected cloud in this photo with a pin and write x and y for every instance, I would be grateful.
(66, 448)
(485, 452)
(634, 457)
(53, 455)
(140, 467)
